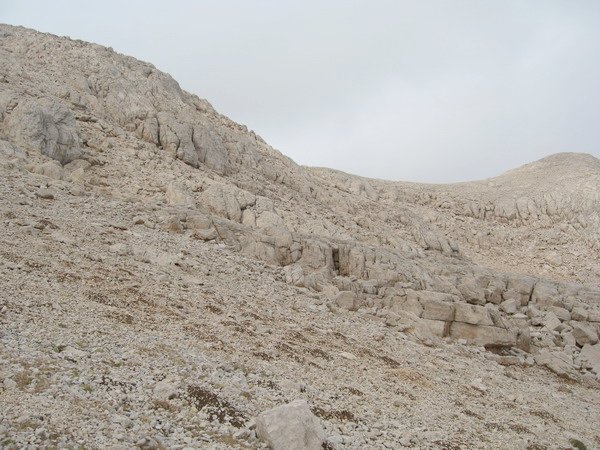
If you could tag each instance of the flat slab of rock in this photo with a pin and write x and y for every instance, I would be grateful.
(437, 310)
(290, 426)
(482, 334)
(584, 333)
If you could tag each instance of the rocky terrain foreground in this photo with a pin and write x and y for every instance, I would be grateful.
(169, 280)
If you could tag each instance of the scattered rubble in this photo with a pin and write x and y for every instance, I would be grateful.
(169, 279)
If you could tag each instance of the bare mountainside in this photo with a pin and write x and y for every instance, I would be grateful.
(168, 279)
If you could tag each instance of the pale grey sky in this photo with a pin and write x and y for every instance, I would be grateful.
(422, 90)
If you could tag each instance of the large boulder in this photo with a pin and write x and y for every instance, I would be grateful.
(290, 426)
(545, 294)
(584, 333)
(483, 335)
(44, 125)
(551, 322)
(436, 305)
(493, 291)
(520, 285)
(558, 362)
(510, 306)
(590, 357)
(562, 313)
(347, 300)
(579, 313)
(193, 143)
(221, 200)
(437, 310)
(409, 302)
(473, 314)
(422, 329)
(438, 328)
(472, 292)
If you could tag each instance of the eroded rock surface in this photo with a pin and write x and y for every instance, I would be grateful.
(169, 273)
(290, 426)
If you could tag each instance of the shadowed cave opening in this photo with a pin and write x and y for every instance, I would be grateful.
(335, 255)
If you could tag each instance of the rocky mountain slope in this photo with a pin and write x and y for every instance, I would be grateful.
(168, 276)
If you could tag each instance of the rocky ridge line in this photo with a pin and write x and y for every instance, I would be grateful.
(400, 253)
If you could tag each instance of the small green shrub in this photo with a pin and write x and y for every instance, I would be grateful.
(577, 444)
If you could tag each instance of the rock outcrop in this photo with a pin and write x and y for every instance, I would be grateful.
(290, 426)
(44, 125)
(135, 205)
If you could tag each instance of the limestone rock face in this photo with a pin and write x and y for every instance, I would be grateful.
(44, 125)
(290, 426)
(222, 200)
(197, 269)
(177, 138)
(210, 148)
(10, 150)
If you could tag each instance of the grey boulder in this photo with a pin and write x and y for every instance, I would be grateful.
(290, 426)
(44, 125)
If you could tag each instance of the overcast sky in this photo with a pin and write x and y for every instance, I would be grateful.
(434, 91)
